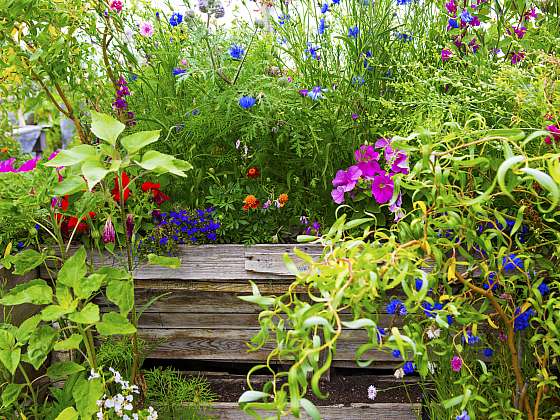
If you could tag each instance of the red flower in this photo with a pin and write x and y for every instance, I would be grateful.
(116, 190)
(555, 134)
(159, 197)
(253, 172)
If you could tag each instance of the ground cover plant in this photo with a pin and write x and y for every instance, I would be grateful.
(416, 140)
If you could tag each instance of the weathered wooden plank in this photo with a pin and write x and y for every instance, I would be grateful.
(270, 259)
(230, 345)
(379, 411)
(237, 286)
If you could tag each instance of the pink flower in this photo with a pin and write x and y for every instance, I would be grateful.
(7, 165)
(400, 164)
(370, 169)
(446, 55)
(108, 232)
(116, 6)
(29, 165)
(345, 181)
(555, 131)
(385, 144)
(146, 29)
(382, 188)
(451, 7)
(365, 153)
(456, 363)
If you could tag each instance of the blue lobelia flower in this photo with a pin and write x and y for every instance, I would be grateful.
(543, 288)
(512, 263)
(408, 368)
(463, 416)
(236, 52)
(335, 1)
(395, 306)
(452, 23)
(247, 102)
(396, 353)
(488, 352)
(521, 320)
(430, 310)
(311, 51)
(324, 8)
(175, 19)
(358, 81)
(353, 32)
(403, 2)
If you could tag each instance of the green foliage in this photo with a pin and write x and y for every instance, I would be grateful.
(176, 396)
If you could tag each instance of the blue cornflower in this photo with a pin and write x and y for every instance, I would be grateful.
(396, 306)
(324, 8)
(488, 352)
(315, 93)
(353, 32)
(430, 310)
(236, 52)
(283, 19)
(311, 51)
(543, 288)
(408, 368)
(466, 17)
(247, 102)
(175, 19)
(396, 354)
(358, 80)
(463, 416)
(418, 284)
(521, 321)
(177, 71)
(452, 23)
(322, 26)
(512, 263)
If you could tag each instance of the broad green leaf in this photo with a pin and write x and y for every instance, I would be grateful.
(54, 312)
(86, 393)
(40, 344)
(121, 293)
(114, 273)
(170, 262)
(249, 396)
(11, 394)
(89, 285)
(114, 323)
(88, 315)
(137, 141)
(63, 369)
(26, 328)
(9, 353)
(106, 127)
(27, 260)
(70, 185)
(71, 343)
(94, 172)
(37, 292)
(161, 163)
(74, 269)
(258, 300)
(74, 156)
(69, 413)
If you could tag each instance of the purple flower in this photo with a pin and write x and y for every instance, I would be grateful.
(517, 57)
(315, 93)
(316, 225)
(353, 32)
(520, 32)
(463, 416)
(365, 153)
(129, 225)
(345, 181)
(108, 232)
(29, 165)
(370, 169)
(466, 17)
(400, 164)
(451, 7)
(303, 92)
(395, 208)
(120, 103)
(446, 54)
(382, 188)
(456, 363)
(311, 51)
(7, 165)
(247, 102)
(354, 117)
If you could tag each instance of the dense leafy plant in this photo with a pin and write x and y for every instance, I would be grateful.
(470, 269)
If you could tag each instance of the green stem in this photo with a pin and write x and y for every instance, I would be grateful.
(33, 394)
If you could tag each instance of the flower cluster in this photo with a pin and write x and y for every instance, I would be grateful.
(120, 104)
(250, 202)
(69, 224)
(369, 175)
(310, 227)
(8, 165)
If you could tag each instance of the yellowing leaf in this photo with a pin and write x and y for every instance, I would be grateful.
(451, 270)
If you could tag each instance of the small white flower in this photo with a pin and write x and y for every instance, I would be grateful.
(128, 407)
(125, 417)
(100, 415)
(237, 144)
(433, 332)
(93, 375)
(130, 398)
(432, 367)
(371, 392)
(399, 373)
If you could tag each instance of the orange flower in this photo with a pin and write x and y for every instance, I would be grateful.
(4, 150)
(282, 200)
(250, 202)
(253, 172)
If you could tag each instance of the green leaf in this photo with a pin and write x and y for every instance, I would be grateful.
(114, 323)
(170, 262)
(71, 343)
(137, 141)
(452, 402)
(106, 127)
(121, 293)
(88, 315)
(40, 345)
(310, 409)
(35, 291)
(9, 353)
(26, 328)
(74, 269)
(74, 156)
(54, 312)
(249, 396)
(27, 260)
(86, 393)
(94, 172)
(504, 168)
(84, 289)
(63, 369)
(359, 323)
(11, 394)
(546, 182)
(70, 185)
(69, 413)
(161, 163)
(317, 320)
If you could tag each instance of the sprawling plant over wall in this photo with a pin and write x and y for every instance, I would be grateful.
(471, 270)
(94, 181)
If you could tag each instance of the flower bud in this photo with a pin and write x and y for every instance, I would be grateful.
(108, 232)
(129, 225)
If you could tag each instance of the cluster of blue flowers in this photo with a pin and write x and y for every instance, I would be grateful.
(396, 306)
(521, 320)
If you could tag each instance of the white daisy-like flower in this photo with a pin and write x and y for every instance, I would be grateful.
(433, 332)
(399, 373)
(371, 392)
(93, 375)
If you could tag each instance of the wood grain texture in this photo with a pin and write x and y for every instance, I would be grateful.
(380, 411)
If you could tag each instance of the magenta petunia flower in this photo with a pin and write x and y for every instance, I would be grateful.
(338, 195)
(456, 363)
(365, 153)
(446, 54)
(400, 164)
(385, 144)
(555, 134)
(348, 178)
(29, 165)
(382, 188)
(7, 165)
(370, 169)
